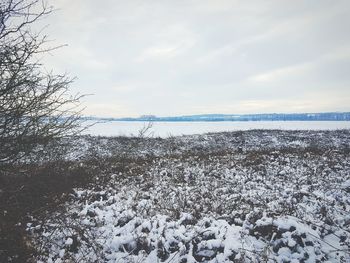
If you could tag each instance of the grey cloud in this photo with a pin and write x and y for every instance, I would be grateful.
(185, 57)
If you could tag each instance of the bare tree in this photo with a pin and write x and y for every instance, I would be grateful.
(35, 106)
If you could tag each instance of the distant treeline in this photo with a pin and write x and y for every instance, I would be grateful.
(329, 116)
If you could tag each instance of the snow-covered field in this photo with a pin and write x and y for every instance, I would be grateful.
(254, 196)
(164, 129)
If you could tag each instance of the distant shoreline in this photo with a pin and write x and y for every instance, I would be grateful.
(212, 120)
(330, 116)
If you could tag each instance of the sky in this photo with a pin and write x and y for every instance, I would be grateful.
(184, 57)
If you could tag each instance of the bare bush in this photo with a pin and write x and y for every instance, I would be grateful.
(35, 107)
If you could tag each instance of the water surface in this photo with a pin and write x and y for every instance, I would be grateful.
(165, 129)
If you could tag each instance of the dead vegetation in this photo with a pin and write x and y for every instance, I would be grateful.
(240, 178)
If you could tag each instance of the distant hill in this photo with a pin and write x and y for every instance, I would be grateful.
(328, 116)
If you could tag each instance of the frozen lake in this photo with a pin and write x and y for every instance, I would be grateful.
(165, 129)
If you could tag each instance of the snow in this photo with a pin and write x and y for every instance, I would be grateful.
(205, 201)
(69, 241)
(164, 129)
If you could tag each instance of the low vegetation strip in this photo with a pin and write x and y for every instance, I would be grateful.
(255, 196)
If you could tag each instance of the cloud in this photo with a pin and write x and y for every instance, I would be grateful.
(173, 41)
(284, 73)
(165, 51)
(320, 102)
(122, 89)
(278, 74)
(116, 109)
(179, 57)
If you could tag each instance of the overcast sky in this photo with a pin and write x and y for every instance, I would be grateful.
(195, 56)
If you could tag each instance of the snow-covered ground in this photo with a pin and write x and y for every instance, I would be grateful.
(255, 196)
(164, 129)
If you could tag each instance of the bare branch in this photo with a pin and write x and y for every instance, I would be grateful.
(35, 106)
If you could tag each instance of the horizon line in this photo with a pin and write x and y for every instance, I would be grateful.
(208, 114)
